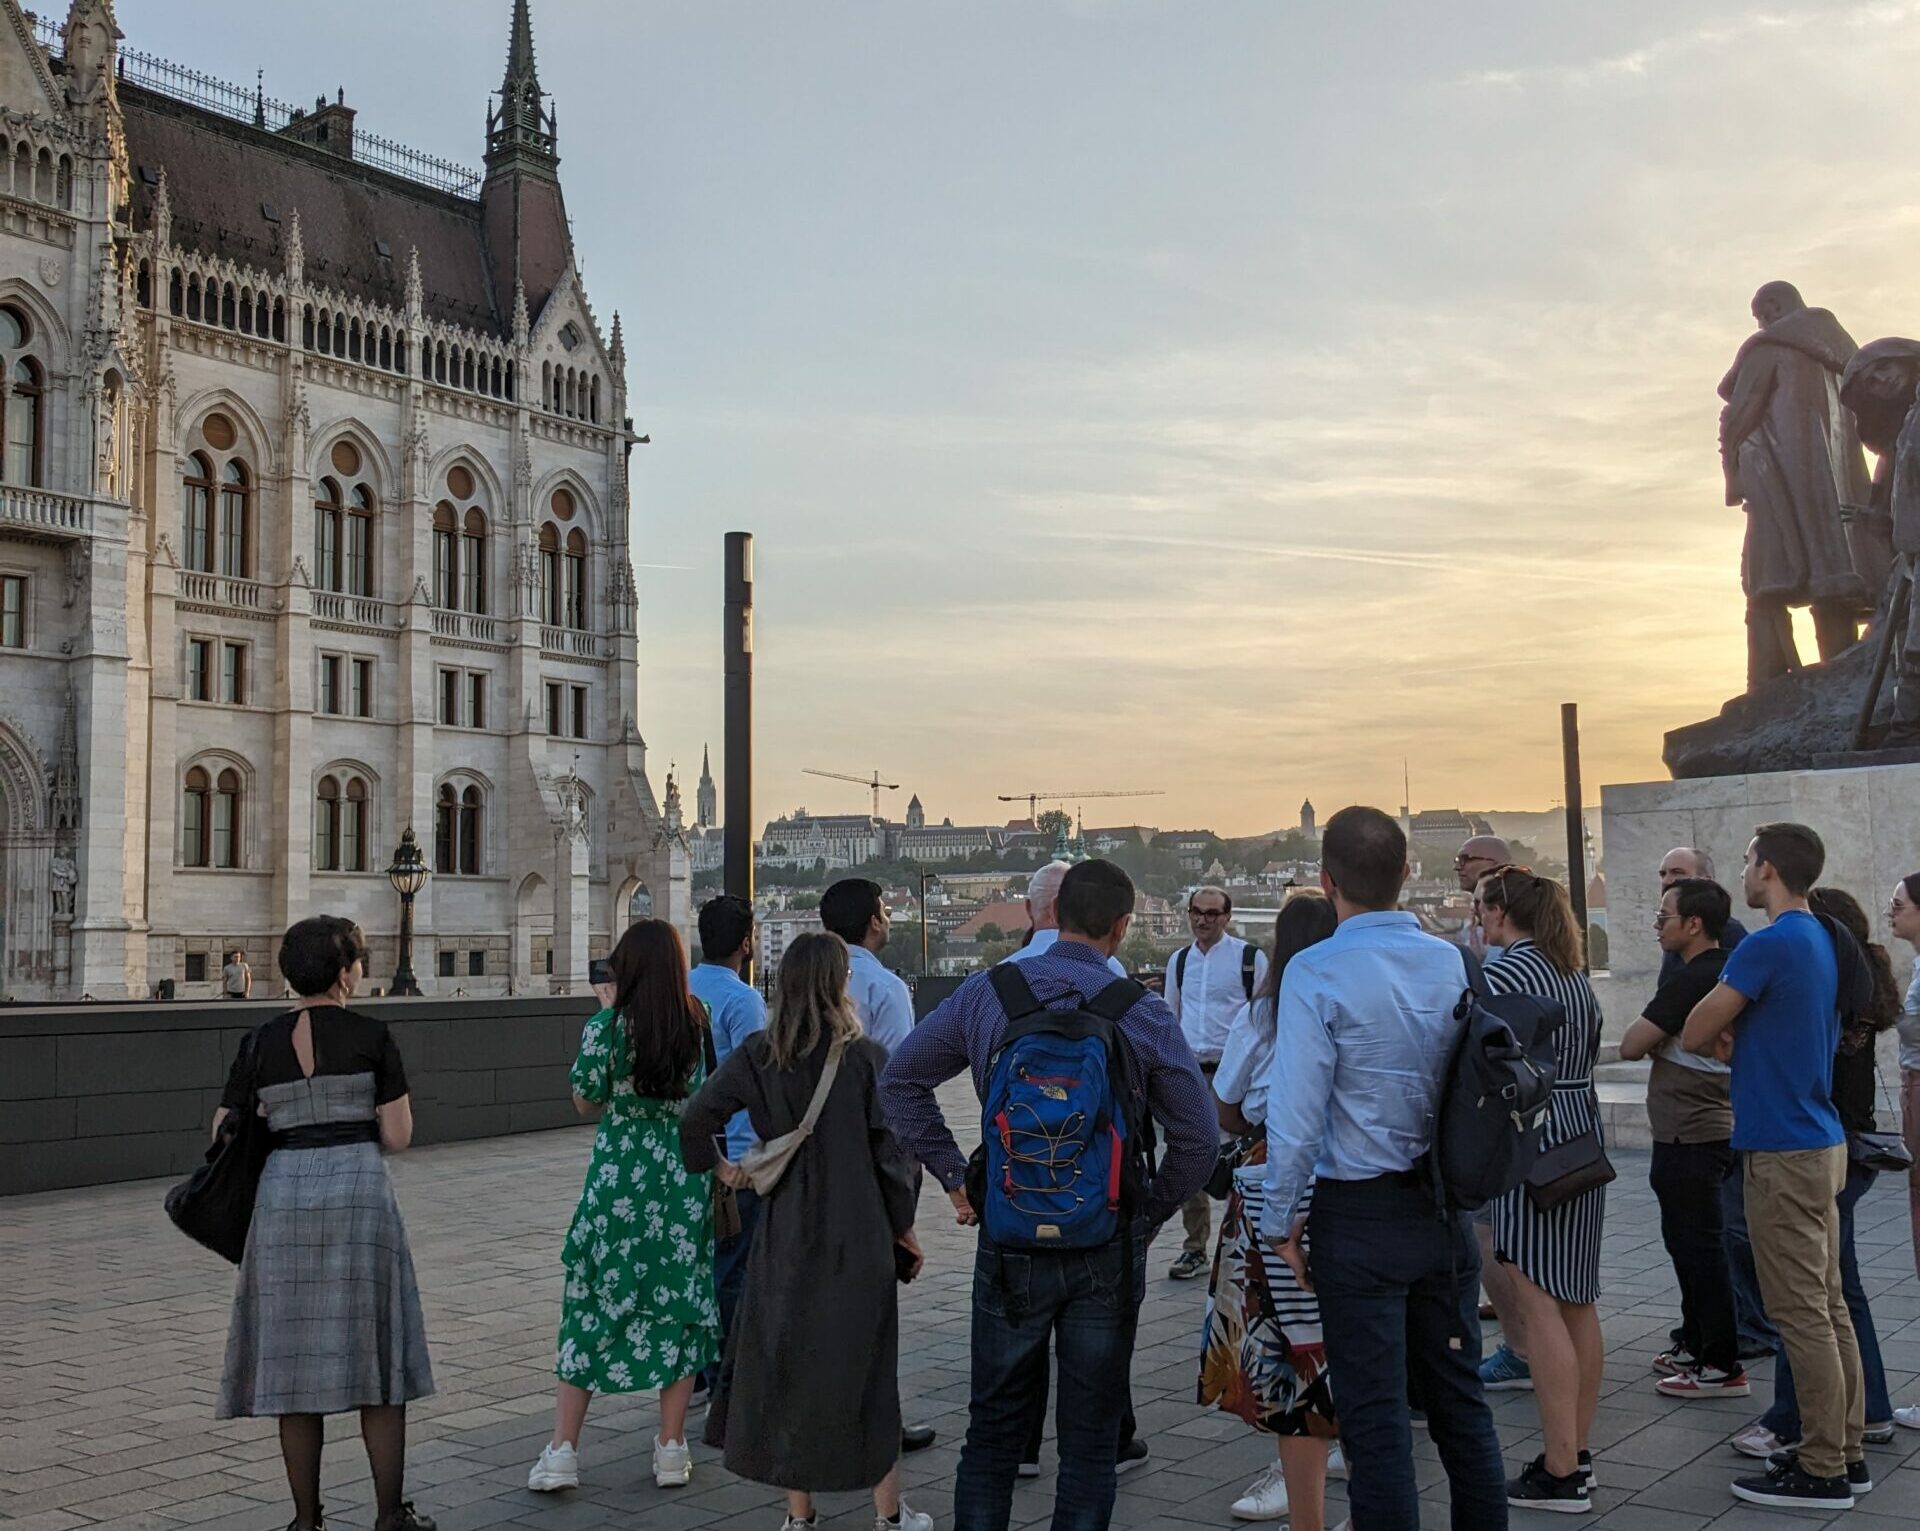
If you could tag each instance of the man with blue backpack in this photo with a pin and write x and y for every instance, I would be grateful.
(1074, 1069)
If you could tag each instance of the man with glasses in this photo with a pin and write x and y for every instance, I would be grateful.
(1685, 861)
(1207, 983)
(1480, 855)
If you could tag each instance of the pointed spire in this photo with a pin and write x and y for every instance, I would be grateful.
(521, 325)
(618, 352)
(162, 212)
(296, 250)
(416, 289)
(521, 122)
(520, 46)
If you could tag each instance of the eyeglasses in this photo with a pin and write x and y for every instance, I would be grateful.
(1206, 914)
(1467, 861)
(1662, 917)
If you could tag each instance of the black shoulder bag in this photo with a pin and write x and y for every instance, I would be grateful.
(214, 1205)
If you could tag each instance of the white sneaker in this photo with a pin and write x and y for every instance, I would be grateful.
(1337, 1462)
(1908, 1417)
(558, 1468)
(1757, 1441)
(672, 1464)
(1265, 1498)
(910, 1520)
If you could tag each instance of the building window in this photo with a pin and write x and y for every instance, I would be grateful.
(456, 830)
(556, 703)
(326, 826)
(576, 572)
(328, 512)
(359, 571)
(353, 828)
(446, 964)
(226, 820)
(362, 688)
(233, 673)
(13, 611)
(199, 510)
(21, 463)
(473, 562)
(579, 712)
(199, 670)
(340, 825)
(476, 701)
(470, 830)
(446, 582)
(330, 683)
(476, 964)
(210, 819)
(550, 603)
(236, 553)
(196, 967)
(450, 697)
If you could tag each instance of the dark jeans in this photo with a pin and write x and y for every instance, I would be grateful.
(1783, 1419)
(730, 1271)
(1087, 1304)
(1749, 1312)
(1686, 1179)
(1399, 1304)
(1037, 1421)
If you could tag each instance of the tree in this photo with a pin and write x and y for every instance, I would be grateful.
(989, 932)
(1053, 821)
(1597, 952)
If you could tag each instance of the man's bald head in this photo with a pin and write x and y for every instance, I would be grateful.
(1685, 861)
(1043, 892)
(1479, 856)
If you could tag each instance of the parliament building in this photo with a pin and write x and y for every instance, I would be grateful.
(314, 511)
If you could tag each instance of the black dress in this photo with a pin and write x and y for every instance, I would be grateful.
(809, 1392)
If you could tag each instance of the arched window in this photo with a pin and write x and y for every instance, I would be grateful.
(550, 587)
(473, 562)
(195, 816)
(21, 464)
(326, 826)
(236, 550)
(198, 551)
(327, 535)
(226, 820)
(446, 828)
(359, 580)
(446, 563)
(353, 828)
(576, 571)
(457, 829)
(470, 831)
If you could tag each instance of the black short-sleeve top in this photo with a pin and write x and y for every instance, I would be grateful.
(344, 1042)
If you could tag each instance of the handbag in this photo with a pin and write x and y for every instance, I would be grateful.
(1231, 1156)
(726, 1205)
(1879, 1150)
(1568, 1170)
(214, 1205)
(765, 1163)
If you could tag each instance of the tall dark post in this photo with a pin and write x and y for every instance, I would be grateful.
(738, 753)
(1576, 816)
(923, 923)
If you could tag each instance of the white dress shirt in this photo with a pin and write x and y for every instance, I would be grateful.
(880, 998)
(1246, 1060)
(1043, 939)
(1209, 994)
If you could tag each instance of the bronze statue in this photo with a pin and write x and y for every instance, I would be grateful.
(1879, 386)
(1792, 456)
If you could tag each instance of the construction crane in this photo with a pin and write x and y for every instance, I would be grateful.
(876, 784)
(1033, 800)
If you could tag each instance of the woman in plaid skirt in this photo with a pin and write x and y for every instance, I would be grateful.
(326, 1317)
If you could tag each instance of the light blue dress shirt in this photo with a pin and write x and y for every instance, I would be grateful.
(1365, 1026)
(737, 1011)
(1043, 941)
(881, 998)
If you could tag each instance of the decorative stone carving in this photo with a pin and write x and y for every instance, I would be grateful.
(162, 216)
(418, 449)
(65, 877)
(296, 251)
(416, 289)
(299, 575)
(163, 551)
(299, 416)
(51, 271)
(79, 565)
(421, 596)
(571, 822)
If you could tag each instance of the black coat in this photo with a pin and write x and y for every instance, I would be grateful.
(809, 1393)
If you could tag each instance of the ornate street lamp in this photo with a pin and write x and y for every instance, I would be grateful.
(408, 874)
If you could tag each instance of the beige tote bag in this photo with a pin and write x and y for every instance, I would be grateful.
(765, 1163)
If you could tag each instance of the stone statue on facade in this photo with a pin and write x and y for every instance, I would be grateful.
(1791, 454)
(65, 877)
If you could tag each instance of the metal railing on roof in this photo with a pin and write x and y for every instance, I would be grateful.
(177, 81)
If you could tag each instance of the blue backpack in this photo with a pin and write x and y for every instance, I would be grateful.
(1064, 1158)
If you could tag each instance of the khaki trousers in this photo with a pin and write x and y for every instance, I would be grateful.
(1196, 1215)
(1794, 1223)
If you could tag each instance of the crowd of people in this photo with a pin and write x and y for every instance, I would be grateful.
(751, 1202)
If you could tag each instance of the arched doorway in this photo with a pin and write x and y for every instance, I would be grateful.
(532, 919)
(26, 847)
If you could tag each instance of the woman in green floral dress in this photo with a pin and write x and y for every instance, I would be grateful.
(639, 1309)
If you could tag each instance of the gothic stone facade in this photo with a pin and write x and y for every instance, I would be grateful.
(313, 527)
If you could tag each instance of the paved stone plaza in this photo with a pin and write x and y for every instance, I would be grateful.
(111, 1328)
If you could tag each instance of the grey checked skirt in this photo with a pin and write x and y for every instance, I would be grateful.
(326, 1315)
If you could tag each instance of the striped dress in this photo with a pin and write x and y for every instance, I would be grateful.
(1558, 1251)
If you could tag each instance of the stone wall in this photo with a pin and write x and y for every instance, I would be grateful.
(96, 1093)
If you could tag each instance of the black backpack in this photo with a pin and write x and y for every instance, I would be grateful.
(1248, 952)
(1494, 1097)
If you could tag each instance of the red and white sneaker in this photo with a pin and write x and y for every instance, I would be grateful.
(1705, 1382)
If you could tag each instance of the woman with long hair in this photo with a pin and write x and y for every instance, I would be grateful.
(1262, 1356)
(1903, 915)
(809, 1396)
(1865, 1012)
(638, 1310)
(326, 1314)
(1553, 1256)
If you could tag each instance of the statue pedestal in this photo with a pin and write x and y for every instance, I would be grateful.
(1869, 817)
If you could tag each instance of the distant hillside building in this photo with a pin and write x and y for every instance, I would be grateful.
(1309, 823)
(944, 842)
(801, 839)
(1192, 848)
(916, 815)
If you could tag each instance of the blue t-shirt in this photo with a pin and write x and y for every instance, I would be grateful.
(1784, 1041)
(738, 1011)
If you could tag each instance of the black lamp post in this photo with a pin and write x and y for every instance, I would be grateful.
(408, 874)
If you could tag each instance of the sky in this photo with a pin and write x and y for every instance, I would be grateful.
(1234, 399)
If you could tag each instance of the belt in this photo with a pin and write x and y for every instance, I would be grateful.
(328, 1135)
(1408, 1179)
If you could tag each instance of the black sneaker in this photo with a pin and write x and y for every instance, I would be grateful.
(1859, 1475)
(406, 1518)
(1538, 1489)
(1585, 1469)
(1787, 1486)
(1132, 1454)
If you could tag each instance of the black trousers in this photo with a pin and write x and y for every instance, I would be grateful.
(1686, 1181)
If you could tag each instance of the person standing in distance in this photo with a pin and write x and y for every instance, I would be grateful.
(1479, 856)
(737, 1011)
(854, 910)
(1043, 894)
(1679, 864)
(1207, 983)
(1365, 1028)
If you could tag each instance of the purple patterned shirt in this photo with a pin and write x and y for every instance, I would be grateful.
(965, 1032)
